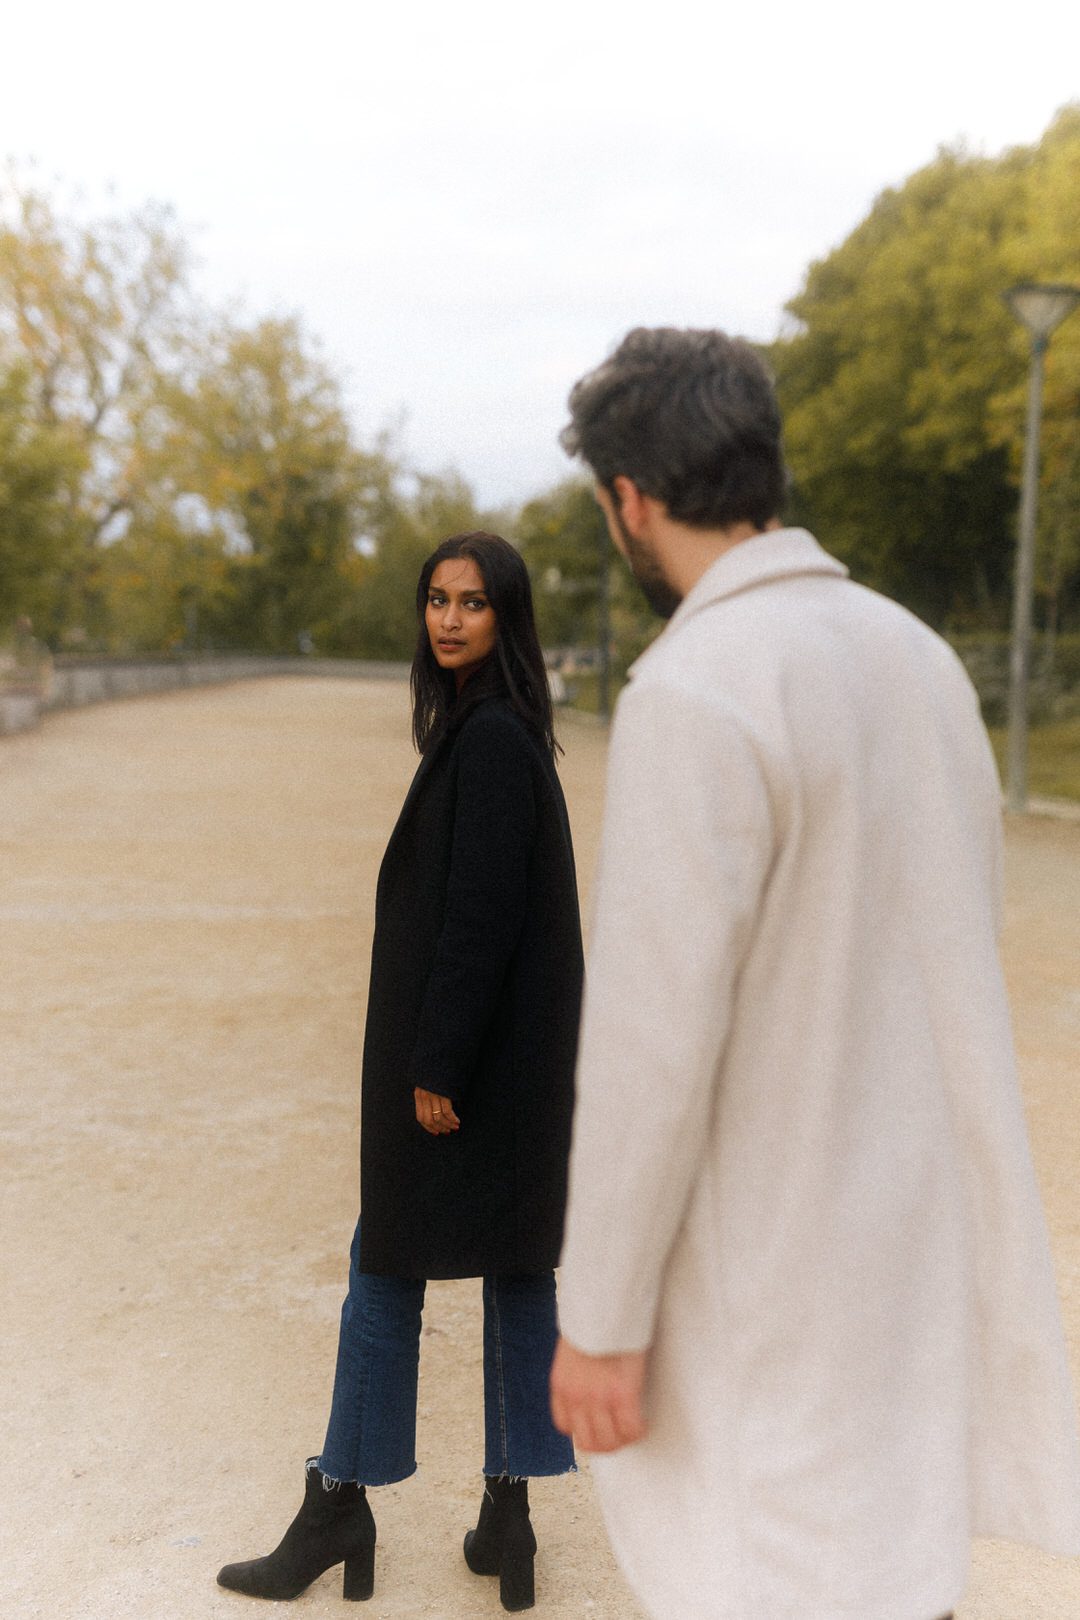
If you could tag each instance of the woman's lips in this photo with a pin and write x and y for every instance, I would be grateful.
(450, 644)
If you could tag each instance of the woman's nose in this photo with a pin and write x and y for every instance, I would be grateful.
(451, 616)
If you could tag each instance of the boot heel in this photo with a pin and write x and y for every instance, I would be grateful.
(516, 1581)
(359, 1581)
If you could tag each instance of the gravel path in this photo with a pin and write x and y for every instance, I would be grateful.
(186, 891)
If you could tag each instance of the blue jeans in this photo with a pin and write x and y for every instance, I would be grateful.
(371, 1435)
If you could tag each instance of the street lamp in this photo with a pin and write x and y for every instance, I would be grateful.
(1041, 308)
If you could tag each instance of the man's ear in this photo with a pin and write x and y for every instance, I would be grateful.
(631, 504)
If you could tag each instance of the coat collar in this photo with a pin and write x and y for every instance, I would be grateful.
(777, 554)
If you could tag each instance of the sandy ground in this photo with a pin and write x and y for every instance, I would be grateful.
(186, 891)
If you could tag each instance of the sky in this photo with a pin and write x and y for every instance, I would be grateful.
(469, 203)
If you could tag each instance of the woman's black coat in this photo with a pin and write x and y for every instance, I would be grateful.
(475, 993)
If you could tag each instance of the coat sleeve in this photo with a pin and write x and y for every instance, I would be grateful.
(486, 896)
(685, 853)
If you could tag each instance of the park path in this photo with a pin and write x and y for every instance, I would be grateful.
(186, 890)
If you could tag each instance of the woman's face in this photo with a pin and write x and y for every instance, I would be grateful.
(459, 618)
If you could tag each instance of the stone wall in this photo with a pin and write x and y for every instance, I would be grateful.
(72, 683)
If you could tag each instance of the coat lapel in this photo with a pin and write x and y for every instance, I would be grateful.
(423, 770)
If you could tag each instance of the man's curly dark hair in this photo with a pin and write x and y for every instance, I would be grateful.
(691, 417)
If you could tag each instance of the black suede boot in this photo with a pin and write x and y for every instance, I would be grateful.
(334, 1525)
(503, 1542)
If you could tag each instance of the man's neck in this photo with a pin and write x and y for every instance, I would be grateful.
(686, 553)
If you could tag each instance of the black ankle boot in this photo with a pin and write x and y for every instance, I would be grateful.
(334, 1524)
(503, 1542)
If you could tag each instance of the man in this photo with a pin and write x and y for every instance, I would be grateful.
(808, 1308)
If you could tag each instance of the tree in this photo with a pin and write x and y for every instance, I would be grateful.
(94, 314)
(184, 479)
(1050, 250)
(257, 460)
(902, 379)
(419, 511)
(40, 467)
(565, 543)
(98, 312)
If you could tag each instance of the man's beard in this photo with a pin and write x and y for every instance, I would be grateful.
(657, 589)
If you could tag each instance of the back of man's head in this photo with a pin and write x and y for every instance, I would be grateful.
(691, 418)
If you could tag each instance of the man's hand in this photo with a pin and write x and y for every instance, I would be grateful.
(435, 1113)
(597, 1399)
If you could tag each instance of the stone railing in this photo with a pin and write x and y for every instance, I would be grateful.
(1054, 688)
(24, 674)
(30, 688)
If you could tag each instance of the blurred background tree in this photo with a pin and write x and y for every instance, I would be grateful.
(41, 467)
(255, 478)
(903, 381)
(173, 478)
(419, 510)
(92, 317)
(169, 478)
(564, 541)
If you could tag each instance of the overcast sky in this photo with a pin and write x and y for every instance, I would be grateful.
(469, 203)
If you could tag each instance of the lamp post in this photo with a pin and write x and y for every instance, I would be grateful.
(1041, 308)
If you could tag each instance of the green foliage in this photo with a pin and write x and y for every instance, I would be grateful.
(257, 450)
(565, 543)
(419, 511)
(96, 314)
(93, 317)
(169, 478)
(903, 382)
(40, 466)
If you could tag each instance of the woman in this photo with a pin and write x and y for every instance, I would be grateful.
(467, 1084)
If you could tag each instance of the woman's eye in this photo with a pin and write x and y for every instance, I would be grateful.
(477, 604)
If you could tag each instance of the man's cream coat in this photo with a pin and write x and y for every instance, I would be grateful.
(800, 1168)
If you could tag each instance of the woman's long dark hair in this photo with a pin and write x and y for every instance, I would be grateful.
(515, 670)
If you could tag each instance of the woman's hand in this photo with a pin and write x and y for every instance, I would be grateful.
(435, 1113)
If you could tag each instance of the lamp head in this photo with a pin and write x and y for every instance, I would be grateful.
(1041, 306)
